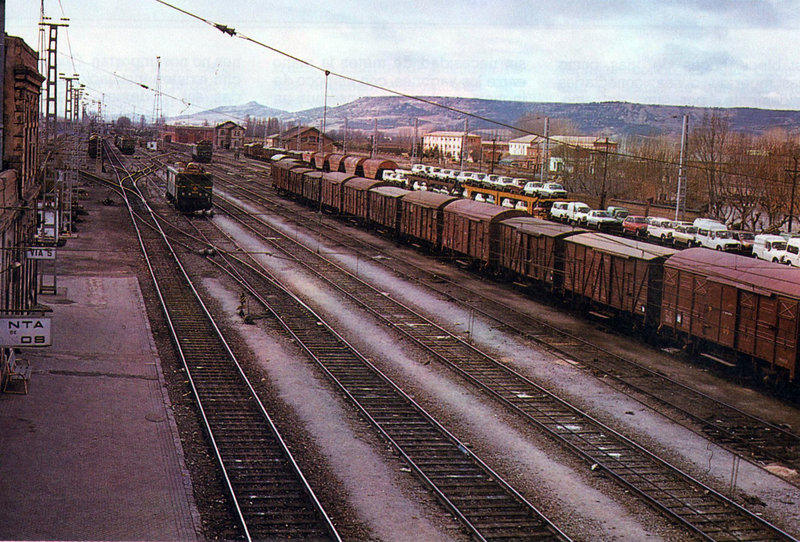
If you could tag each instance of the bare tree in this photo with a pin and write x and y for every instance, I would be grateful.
(707, 147)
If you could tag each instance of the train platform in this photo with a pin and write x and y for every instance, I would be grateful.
(92, 451)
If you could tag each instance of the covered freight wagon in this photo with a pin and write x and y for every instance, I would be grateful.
(312, 187)
(384, 206)
(280, 173)
(373, 168)
(319, 160)
(421, 217)
(533, 249)
(472, 229)
(615, 274)
(734, 308)
(331, 192)
(355, 196)
(336, 163)
(294, 184)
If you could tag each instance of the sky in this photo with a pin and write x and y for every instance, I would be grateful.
(709, 53)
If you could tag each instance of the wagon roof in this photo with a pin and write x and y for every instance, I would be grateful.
(319, 158)
(392, 191)
(374, 165)
(335, 159)
(361, 183)
(314, 174)
(424, 198)
(350, 162)
(488, 212)
(741, 271)
(542, 228)
(336, 176)
(287, 163)
(621, 246)
(301, 169)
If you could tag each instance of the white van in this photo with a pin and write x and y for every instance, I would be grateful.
(577, 211)
(770, 247)
(716, 236)
(793, 252)
(559, 211)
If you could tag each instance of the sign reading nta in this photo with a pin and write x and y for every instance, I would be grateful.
(25, 331)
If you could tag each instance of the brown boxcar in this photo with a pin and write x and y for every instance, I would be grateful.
(421, 217)
(352, 164)
(472, 228)
(295, 183)
(280, 172)
(384, 206)
(336, 162)
(331, 193)
(355, 196)
(533, 249)
(749, 307)
(615, 273)
(374, 168)
(312, 182)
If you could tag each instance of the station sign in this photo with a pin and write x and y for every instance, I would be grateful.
(25, 331)
(41, 253)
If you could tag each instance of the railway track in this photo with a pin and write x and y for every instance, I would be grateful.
(488, 507)
(271, 498)
(752, 438)
(696, 506)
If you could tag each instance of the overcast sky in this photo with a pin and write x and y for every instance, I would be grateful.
(677, 52)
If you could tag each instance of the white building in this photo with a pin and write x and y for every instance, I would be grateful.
(450, 144)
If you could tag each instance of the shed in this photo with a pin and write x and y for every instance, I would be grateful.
(471, 228)
(384, 206)
(615, 273)
(748, 305)
(533, 249)
(331, 192)
(421, 217)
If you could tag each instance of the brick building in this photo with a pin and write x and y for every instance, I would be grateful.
(187, 134)
(19, 184)
(301, 138)
(228, 135)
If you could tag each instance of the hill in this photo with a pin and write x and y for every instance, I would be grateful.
(397, 114)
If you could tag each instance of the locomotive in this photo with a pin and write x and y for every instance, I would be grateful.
(125, 144)
(189, 188)
(202, 151)
(94, 145)
(727, 308)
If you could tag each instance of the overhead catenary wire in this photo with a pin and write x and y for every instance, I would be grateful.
(225, 29)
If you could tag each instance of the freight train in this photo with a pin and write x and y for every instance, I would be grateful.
(731, 309)
(189, 187)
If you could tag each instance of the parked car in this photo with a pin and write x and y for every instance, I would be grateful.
(601, 220)
(576, 212)
(716, 236)
(552, 190)
(771, 248)
(660, 229)
(618, 213)
(745, 239)
(508, 184)
(558, 211)
(793, 252)
(418, 169)
(684, 234)
(635, 226)
(531, 188)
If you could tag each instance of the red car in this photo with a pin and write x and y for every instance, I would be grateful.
(635, 226)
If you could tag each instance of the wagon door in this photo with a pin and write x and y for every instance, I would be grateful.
(699, 291)
(723, 299)
(766, 328)
(786, 339)
(746, 326)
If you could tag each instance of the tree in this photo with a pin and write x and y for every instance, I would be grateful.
(707, 144)
(124, 123)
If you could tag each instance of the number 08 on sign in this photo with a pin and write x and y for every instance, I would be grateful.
(24, 331)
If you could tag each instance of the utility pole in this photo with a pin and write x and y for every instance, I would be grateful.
(158, 112)
(414, 142)
(374, 139)
(545, 151)
(492, 158)
(51, 104)
(68, 101)
(464, 142)
(324, 113)
(605, 171)
(680, 197)
(344, 145)
(793, 173)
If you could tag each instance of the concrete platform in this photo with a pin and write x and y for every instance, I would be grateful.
(92, 451)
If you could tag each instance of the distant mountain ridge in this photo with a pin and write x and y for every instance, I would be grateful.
(398, 114)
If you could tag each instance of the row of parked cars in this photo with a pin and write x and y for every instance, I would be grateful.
(516, 185)
(580, 214)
